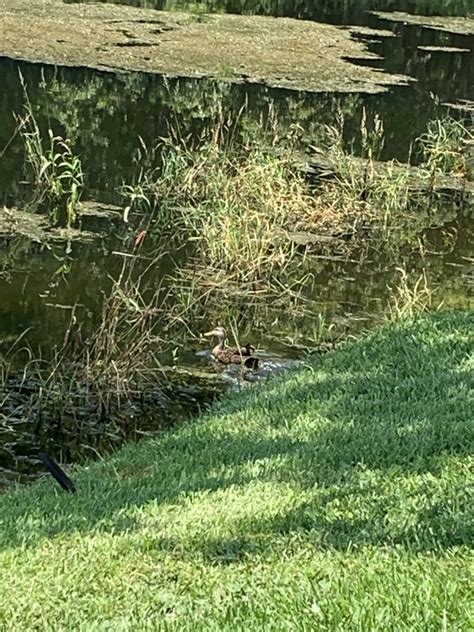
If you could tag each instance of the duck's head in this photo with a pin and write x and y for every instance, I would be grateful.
(219, 332)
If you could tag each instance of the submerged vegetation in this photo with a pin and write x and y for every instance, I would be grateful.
(337, 495)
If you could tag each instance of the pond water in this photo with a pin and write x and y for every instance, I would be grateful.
(334, 11)
(104, 115)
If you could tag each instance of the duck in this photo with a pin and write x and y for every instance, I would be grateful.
(232, 355)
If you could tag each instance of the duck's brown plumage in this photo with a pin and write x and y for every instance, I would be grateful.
(232, 355)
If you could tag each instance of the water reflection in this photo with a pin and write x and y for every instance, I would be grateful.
(37, 297)
(104, 115)
(334, 11)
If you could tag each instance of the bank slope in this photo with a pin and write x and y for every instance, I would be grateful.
(338, 496)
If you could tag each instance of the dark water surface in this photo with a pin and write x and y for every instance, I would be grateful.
(334, 11)
(105, 114)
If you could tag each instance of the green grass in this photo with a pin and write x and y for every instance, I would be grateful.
(336, 497)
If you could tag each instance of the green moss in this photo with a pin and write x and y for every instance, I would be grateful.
(338, 496)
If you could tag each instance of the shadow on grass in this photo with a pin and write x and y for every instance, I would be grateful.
(433, 529)
(384, 413)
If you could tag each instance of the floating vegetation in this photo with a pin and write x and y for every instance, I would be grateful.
(443, 49)
(450, 24)
(229, 47)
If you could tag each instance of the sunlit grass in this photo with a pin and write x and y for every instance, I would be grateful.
(335, 497)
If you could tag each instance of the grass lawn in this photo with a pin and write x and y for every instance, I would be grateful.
(336, 497)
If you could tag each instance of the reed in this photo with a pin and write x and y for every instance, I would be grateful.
(96, 384)
(410, 297)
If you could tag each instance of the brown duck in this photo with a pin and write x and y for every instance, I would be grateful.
(232, 355)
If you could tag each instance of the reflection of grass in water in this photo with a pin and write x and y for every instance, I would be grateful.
(339, 493)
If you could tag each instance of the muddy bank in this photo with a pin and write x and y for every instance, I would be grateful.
(456, 25)
(281, 52)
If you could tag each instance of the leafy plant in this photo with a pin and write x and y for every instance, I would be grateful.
(55, 172)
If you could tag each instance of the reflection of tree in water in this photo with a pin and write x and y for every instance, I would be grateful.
(339, 11)
(105, 114)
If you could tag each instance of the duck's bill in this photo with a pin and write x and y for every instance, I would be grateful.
(209, 333)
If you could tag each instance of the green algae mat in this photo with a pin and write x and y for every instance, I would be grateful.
(448, 24)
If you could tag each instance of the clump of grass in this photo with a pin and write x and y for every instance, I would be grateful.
(97, 384)
(387, 206)
(445, 147)
(54, 171)
(234, 203)
(239, 200)
(123, 349)
(408, 298)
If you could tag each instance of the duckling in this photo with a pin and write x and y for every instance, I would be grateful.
(232, 355)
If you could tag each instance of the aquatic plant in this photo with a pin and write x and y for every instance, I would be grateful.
(445, 147)
(122, 351)
(233, 200)
(386, 206)
(252, 211)
(53, 170)
(410, 297)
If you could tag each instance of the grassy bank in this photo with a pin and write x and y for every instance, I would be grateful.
(335, 497)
